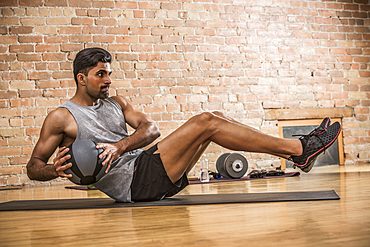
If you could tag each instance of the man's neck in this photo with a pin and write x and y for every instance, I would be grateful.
(85, 101)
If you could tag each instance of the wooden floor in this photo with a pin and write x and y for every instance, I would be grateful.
(344, 222)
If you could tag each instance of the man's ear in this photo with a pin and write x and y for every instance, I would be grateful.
(81, 78)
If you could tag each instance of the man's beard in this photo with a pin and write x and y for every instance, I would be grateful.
(98, 95)
(104, 94)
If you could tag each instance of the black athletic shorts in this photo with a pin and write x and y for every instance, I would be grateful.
(150, 181)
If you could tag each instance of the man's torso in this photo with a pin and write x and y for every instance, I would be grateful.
(103, 123)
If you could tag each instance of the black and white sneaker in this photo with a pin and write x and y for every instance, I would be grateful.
(315, 143)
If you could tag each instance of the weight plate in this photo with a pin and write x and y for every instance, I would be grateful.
(220, 165)
(235, 165)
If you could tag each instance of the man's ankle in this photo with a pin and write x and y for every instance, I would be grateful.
(298, 148)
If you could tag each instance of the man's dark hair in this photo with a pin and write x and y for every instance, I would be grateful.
(88, 58)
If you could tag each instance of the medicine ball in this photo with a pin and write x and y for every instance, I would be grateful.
(86, 166)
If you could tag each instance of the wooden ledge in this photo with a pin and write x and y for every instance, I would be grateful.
(308, 113)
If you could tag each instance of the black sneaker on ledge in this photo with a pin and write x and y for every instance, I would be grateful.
(315, 143)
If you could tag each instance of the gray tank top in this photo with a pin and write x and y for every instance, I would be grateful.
(105, 123)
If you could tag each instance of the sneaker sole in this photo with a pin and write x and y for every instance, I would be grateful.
(306, 167)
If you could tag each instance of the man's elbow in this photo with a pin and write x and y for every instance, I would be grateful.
(155, 131)
(158, 134)
(30, 176)
(30, 173)
(32, 170)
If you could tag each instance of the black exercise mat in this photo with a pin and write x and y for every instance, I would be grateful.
(212, 180)
(178, 200)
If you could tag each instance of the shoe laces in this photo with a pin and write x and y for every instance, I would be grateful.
(319, 130)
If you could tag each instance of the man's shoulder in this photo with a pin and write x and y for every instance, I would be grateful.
(120, 100)
(57, 122)
(60, 114)
(60, 110)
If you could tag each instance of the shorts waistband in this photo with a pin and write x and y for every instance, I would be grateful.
(152, 149)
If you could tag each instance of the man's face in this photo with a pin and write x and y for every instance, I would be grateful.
(98, 81)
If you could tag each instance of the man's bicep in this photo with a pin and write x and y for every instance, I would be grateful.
(50, 139)
(133, 117)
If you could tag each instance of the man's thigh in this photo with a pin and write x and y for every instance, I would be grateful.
(178, 149)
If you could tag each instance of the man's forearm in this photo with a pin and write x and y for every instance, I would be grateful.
(39, 170)
(143, 136)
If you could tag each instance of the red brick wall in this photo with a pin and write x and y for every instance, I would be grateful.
(173, 59)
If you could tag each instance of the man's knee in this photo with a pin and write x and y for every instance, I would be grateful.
(204, 117)
(219, 114)
(208, 119)
(210, 116)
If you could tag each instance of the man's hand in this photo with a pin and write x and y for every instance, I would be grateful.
(59, 161)
(111, 153)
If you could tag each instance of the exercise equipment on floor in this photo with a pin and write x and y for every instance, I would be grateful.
(263, 173)
(232, 165)
(86, 166)
(215, 175)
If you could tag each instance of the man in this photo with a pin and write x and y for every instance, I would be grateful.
(136, 175)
